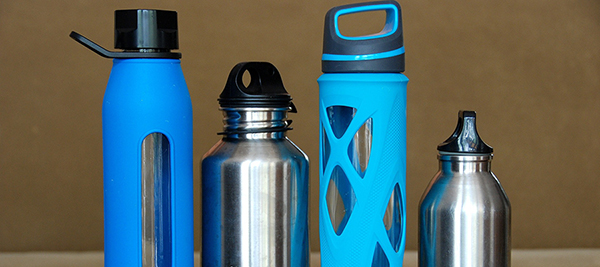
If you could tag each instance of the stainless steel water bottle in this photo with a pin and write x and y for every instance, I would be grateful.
(255, 180)
(362, 104)
(147, 145)
(464, 214)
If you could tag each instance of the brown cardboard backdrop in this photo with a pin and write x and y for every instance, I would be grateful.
(531, 69)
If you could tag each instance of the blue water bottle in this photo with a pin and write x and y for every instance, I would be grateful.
(147, 144)
(362, 109)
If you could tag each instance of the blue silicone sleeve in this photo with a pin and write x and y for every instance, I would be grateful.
(382, 97)
(145, 96)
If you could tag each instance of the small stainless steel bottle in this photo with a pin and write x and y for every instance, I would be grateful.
(255, 180)
(464, 214)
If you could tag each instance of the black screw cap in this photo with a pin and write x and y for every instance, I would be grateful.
(146, 29)
(465, 138)
(264, 90)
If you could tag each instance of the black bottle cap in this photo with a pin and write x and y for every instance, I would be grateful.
(264, 90)
(465, 138)
(146, 29)
(379, 53)
(137, 29)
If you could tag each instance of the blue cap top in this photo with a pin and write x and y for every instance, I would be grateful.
(381, 52)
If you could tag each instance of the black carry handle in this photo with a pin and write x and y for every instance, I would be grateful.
(112, 54)
(264, 90)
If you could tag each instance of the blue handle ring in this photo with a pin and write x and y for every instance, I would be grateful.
(391, 21)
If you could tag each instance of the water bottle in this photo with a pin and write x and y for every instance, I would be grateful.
(147, 144)
(464, 214)
(255, 180)
(362, 97)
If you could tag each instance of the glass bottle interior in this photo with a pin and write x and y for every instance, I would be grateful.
(359, 149)
(156, 201)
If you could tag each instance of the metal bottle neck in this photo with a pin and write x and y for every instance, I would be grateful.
(255, 123)
(463, 163)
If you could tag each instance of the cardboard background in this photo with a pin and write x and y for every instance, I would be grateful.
(531, 69)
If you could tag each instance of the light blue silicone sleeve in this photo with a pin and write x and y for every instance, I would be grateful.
(382, 97)
(145, 96)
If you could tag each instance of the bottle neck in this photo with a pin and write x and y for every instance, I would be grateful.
(465, 163)
(148, 50)
(255, 123)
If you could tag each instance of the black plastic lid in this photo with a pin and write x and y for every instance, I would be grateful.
(143, 33)
(146, 29)
(264, 90)
(382, 52)
(465, 138)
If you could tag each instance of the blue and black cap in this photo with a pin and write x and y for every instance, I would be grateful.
(381, 52)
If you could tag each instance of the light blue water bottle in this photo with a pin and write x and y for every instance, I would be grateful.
(363, 142)
(147, 144)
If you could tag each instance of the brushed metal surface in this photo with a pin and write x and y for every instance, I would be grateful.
(464, 215)
(260, 179)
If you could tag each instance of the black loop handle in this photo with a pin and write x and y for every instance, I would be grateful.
(111, 54)
(264, 90)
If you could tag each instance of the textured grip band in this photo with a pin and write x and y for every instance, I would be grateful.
(364, 239)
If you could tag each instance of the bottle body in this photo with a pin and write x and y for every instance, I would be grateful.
(147, 147)
(363, 166)
(255, 195)
(464, 215)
